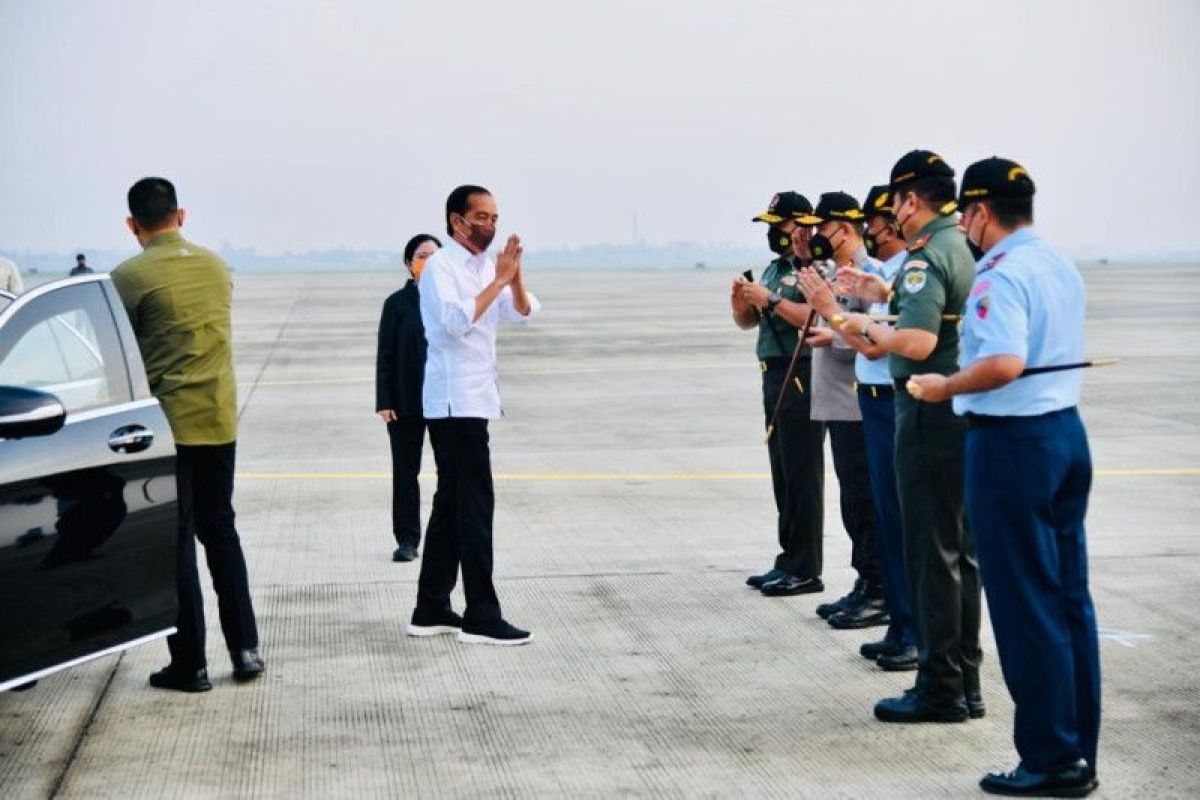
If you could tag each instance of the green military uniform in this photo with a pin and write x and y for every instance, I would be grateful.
(796, 448)
(178, 297)
(939, 555)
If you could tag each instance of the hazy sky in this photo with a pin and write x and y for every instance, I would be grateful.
(300, 124)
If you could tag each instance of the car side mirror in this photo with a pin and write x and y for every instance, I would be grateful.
(29, 412)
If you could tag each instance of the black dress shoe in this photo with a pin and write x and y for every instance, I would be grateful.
(911, 707)
(872, 650)
(790, 585)
(181, 680)
(757, 581)
(827, 610)
(1077, 780)
(975, 706)
(405, 552)
(247, 665)
(870, 612)
(898, 659)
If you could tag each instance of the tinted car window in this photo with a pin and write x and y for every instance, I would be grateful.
(66, 343)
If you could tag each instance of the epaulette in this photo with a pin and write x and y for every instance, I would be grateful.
(920, 242)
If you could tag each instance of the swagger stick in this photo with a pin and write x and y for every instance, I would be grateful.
(1095, 362)
(791, 370)
(915, 390)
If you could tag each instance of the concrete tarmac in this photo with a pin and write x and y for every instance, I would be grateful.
(632, 500)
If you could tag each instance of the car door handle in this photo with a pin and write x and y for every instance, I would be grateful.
(130, 439)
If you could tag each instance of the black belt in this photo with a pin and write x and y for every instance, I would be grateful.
(876, 390)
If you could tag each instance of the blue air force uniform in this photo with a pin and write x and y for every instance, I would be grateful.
(1028, 473)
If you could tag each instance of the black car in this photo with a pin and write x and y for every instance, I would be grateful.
(87, 484)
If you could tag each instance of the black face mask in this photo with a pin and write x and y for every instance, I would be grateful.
(779, 242)
(870, 243)
(820, 247)
(976, 250)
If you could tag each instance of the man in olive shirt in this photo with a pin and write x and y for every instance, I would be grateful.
(934, 281)
(178, 297)
(776, 307)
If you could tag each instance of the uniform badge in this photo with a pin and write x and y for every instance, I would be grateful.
(981, 306)
(918, 243)
(916, 265)
(914, 281)
(981, 287)
(787, 280)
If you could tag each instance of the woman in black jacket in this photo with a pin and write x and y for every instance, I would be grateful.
(399, 374)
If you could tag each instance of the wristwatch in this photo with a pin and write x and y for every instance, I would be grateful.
(773, 300)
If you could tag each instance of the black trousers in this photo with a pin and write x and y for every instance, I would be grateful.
(797, 457)
(849, 446)
(943, 575)
(460, 525)
(204, 482)
(407, 436)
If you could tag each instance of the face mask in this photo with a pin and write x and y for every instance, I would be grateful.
(418, 264)
(820, 247)
(480, 236)
(901, 222)
(870, 243)
(977, 250)
(779, 242)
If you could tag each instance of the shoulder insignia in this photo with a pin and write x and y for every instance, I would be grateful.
(788, 280)
(916, 265)
(918, 243)
(993, 261)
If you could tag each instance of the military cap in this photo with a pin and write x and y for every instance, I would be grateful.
(878, 202)
(834, 206)
(994, 178)
(919, 164)
(785, 205)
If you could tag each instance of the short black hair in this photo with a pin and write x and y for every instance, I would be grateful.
(1011, 212)
(152, 202)
(459, 201)
(417, 241)
(934, 191)
(80, 257)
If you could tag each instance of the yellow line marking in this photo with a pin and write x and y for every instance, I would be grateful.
(584, 477)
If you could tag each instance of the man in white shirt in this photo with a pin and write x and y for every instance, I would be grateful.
(464, 296)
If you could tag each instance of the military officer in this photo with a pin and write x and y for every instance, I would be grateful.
(776, 307)
(1028, 473)
(939, 556)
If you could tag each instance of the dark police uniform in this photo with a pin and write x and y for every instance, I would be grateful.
(1028, 474)
(796, 448)
(399, 376)
(943, 576)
